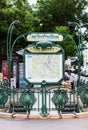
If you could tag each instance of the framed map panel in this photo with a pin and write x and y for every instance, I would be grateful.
(39, 67)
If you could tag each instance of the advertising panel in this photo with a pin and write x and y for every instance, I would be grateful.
(4, 69)
(22, 82)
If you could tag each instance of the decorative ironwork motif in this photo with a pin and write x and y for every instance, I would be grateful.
(60, 99)
(3, 98)
(27, 99)
(84, 97)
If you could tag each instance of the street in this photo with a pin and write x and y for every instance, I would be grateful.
(48, 124)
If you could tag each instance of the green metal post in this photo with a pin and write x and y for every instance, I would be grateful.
(80, 48)
(44, 107)
(9, 45)
(80, 45)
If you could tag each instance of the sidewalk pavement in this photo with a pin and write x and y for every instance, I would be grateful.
(42, 124)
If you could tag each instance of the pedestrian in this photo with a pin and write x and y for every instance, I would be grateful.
(72, 78)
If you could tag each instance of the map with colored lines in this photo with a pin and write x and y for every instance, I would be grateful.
(39, 67)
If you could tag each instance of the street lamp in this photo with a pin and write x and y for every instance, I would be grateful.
(80, 44)
(9, 46)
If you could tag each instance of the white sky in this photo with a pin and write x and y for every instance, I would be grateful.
(32, 1)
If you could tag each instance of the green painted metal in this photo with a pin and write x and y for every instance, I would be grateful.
(3, 98)
(44, 107)
(9, 47)
(79, 46)
(27, 99)
(60, 99)
(84, 97)
(43, 45)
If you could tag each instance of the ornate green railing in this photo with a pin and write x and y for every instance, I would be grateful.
(30, 100)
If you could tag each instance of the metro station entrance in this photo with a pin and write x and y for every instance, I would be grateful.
(44, 64)
(43, 70)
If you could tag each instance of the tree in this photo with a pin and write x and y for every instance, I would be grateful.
(59, 12)
(10, 11)
(3, 3)
(68, 45)
(47, 13)
(56, 14)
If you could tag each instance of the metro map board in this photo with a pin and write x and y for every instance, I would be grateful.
(39, 67)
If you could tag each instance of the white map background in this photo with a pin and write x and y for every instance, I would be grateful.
(43, 67)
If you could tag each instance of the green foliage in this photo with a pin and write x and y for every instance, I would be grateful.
(50, 13)
(11, 10)
(62, 29)
(58, 12)
(68, 45)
